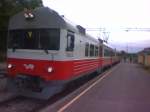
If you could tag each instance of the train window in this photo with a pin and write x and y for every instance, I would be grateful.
(21, 39)
(50, 39)
(101, 51)
(14, 42)
(34, 39)
(111, 53)
(87, 49)
(70, 41)
(30, 39)
(91, 50)
(107, 52)
(96, 51)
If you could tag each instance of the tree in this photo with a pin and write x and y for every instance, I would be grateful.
(7, 9)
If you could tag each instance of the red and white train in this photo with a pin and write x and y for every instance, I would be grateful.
(45, 52)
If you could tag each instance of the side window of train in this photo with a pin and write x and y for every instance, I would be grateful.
(91, 50)
(70, 41)
(107, 53)
(96, 51)
(101, 51)
(86, 49)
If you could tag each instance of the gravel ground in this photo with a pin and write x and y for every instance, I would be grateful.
(21, 104)
(4, 95)
(3, 82)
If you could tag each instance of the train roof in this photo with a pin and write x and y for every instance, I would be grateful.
(45, 18)
(108, 47)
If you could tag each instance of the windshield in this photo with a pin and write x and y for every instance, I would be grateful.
(48, 39)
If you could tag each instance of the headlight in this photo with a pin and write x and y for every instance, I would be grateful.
(26, 15)
(50, 69)
(10, 66)
(31, 15)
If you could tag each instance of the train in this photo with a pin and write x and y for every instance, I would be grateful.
(46, 51)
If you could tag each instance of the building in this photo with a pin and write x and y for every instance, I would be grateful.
(144, 57)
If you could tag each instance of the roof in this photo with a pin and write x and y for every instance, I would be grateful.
(145, 51)
(44, 18)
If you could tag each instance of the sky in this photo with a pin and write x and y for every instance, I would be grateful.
(113, 15)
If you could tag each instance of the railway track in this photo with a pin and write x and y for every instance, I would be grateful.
(10, 102)
(5, 102)
(19, 104)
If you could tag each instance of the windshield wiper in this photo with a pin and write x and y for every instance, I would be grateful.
(45, 48)
(46, 51)
(14, 47)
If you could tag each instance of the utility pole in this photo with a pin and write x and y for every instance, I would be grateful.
(127, 47)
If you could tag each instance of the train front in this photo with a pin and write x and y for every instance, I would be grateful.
(33, 49)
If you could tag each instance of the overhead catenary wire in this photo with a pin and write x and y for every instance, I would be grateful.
(103, 34)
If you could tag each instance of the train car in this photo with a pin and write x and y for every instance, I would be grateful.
(110, 57)
(107, 56)
(46, 51)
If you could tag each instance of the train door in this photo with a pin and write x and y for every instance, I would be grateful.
(101, 56)
(70, 44)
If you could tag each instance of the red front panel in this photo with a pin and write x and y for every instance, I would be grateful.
(62, 70)
(84, 66)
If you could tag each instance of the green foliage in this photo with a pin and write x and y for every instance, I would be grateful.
(10, 7)
(7, 9)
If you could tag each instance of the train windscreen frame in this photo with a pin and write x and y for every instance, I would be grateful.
(36, 39)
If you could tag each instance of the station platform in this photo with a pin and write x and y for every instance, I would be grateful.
(126, 88)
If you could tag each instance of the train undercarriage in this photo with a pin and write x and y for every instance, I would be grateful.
(34, 87)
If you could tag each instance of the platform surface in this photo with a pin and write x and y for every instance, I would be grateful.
(125, 89)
